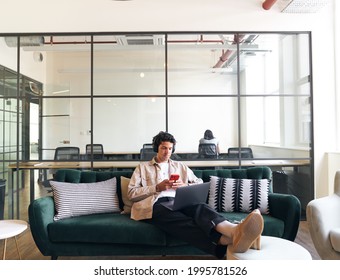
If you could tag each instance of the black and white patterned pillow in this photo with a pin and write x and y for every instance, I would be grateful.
(72, 199)
(239, 195)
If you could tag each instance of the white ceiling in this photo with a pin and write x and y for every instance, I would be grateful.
(137, 15)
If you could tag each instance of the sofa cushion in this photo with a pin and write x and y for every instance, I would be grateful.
(77, 199)
(120, 229)
(88, 176)
(335, 239)
(261, 172)
(238, 195)
(272, 226)
(124, 184)
(106, 228)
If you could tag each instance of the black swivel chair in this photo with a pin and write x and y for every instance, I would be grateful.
(242, 152)
(97, 150)
(207, 150)
(147, 153)
(62, 154)
(148, 146)
(67, 153)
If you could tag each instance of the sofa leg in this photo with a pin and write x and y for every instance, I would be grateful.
(54, 257)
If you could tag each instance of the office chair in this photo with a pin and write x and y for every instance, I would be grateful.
(97, 150)
(207, 150)
(147, 153)
(148, 146)
(62, 154)
(243, 152)
(67, 153)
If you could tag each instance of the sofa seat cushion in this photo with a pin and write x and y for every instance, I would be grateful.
(272, 226)
(105, 228)
(335, 239)
(118, 228)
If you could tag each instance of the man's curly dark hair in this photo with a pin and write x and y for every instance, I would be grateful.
(163, 137)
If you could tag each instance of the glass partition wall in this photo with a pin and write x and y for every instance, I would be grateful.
(253, 90)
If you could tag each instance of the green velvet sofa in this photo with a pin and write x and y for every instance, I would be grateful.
(115, 234)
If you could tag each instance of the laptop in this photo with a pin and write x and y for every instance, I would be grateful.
(187, 196)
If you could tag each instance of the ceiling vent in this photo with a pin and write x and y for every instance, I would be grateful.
(31, 41)
(140, 40)
(302, 6)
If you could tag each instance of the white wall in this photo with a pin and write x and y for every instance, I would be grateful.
(69, 75)
(28, 67)
(198, 15)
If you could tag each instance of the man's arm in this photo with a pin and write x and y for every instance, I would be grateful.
(136, 190)
(192, 178)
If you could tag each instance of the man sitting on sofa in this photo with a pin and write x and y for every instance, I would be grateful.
(198, 225)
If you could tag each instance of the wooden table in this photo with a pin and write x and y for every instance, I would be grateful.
(38, 165)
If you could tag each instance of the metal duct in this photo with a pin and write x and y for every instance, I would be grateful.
(296, 6)
(31, 41)
(302, 6)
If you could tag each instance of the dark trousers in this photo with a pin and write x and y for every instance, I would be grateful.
(194, 224)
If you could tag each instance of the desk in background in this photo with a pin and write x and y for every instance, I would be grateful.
(44, 165)
(114, 156)
(136, 156)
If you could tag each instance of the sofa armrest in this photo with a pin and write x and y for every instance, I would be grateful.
(41, 213)
(287, 208)
(322, 217)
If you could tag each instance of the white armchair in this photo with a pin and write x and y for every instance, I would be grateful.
(323, 217)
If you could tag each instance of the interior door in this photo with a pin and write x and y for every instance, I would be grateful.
(56, 115)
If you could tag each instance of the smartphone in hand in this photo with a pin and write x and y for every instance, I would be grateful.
(174, 177)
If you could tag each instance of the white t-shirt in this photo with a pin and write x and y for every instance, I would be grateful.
(165, 175)
(164, 170)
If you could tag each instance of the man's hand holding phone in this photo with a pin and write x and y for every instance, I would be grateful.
(174, 177)
(175, 181)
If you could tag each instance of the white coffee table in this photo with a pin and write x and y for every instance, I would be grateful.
(11, 228)
(272, 248)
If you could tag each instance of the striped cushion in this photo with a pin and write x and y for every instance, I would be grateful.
(80, 199)
(238, 195)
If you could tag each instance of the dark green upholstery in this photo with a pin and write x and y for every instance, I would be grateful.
(117, 234)
(122, 231)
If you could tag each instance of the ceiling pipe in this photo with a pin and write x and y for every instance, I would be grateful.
(223, 58)
(51, 42)
(225, 55)
(267, 4)
(201, 40)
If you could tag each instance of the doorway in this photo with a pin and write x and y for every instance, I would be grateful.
(34, 131)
